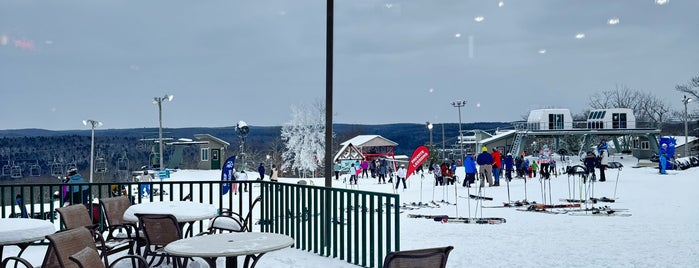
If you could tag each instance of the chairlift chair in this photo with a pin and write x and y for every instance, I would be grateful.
(16, 172)
(57, 169)
(100, 165)
(6, 170)
(123, 163)
(35, 170)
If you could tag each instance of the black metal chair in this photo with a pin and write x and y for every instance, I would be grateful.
(420, 258)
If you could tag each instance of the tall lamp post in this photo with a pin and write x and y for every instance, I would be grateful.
(159, 102)
(686, 100)
(458, 104)
(430, 126)
(92, 124)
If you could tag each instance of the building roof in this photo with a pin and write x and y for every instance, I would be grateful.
(348, 152)
(210, 138)
(499, 136)
(369, 141)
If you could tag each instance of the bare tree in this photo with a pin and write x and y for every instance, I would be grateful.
(646, 106)
(691, 88)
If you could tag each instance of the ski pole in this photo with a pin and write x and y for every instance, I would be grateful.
(456, 198)
(617, 181)
(525, 189)
(550, 192)
(508, 191)
(468, 200)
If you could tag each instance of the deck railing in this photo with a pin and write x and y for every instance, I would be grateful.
(360, 227)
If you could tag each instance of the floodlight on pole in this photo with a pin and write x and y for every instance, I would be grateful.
(92, 124)
(430, 126)
(686, 100)
(159, 102)
(458, 104)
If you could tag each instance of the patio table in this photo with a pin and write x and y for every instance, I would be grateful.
(23, 231)
(184, 212)
(252, 245)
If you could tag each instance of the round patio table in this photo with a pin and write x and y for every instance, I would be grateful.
(22, 231)
(252, 245)
(184, 211)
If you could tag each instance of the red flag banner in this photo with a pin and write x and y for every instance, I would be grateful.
(419, 156)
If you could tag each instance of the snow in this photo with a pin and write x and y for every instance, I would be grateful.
(663, 230)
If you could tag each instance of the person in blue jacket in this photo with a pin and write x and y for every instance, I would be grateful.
(79, 193)
(485, 166)
(261, 170)
(509, 166)
(470, 167)
(662, 153)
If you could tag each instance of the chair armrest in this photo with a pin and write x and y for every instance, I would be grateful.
(6, 262)
(140, 260)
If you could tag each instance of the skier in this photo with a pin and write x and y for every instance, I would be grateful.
(590, 164)
(383, 169)
(603, 162)
(470, 167)
(485, 166)
(401, 174)
(662, 153)
(497, 164)
(365, 166)
(535, 167)
(274, 173)
(437, 174)
(545, 160)
(144, 184)
(79, 194)
(509, 163)
(519, 165)
(353, 174)
(261, 170)
(336, 168)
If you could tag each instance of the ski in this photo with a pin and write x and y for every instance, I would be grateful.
(607, 213)
(463, 220)
(590, 201)
(426, 216)
(512, 204)
(477, 197)
(603, 199)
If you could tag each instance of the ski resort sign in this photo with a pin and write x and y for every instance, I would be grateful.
(419, 156)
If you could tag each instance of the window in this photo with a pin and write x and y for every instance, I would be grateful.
(619, 120)
(204, 154)
(644, 145)
(214, 155)
(555, 121)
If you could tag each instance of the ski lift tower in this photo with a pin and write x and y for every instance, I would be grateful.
(242, 129)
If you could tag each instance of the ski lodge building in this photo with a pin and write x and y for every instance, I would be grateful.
(556, 128)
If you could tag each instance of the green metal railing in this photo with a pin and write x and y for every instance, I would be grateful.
(357, 226)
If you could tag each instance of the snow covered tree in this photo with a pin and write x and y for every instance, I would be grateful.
(304, 138)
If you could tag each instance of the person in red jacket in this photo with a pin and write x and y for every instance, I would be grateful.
(497, 164)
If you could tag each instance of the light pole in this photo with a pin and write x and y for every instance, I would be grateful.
(458, 104)
(159, 102)
(92, 124)
(430, 126)
(270, 162)
(686, 100)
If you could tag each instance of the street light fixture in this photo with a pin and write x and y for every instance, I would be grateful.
(159, 102)
(430, 126)
(92, 124)
(686, 100)
(458, 104)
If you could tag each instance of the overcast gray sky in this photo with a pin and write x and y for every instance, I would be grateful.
(399, 61)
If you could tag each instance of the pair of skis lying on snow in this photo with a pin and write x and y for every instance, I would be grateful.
(464, 220)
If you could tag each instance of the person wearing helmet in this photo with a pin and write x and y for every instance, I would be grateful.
(603, 160)
(544, 161)
(662, 153)
(485, 167)
(401, 174)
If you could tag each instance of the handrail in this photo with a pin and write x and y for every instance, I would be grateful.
(360, 227)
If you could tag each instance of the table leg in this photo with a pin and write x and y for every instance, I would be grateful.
(231, 262)
(254, 259)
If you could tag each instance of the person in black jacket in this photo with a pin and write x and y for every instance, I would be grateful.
(261, 170)
(590, 164)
